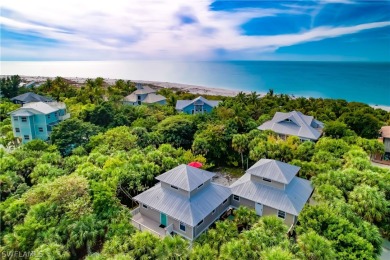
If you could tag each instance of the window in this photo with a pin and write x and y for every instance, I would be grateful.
(182, 226)
(200, 186)
(267, 180)
(48, 116)
(144, 206)
(235, 197)
(213, 212)
(281, 214)
(200, 223)
(17, 130)
(26, 137)
(40, 129)
(224, 201)
(174, 187)
(139, 97)
(15, 118)
(24, 119)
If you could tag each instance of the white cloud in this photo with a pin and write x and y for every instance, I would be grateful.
(144, 29)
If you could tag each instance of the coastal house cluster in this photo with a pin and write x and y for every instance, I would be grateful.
(186, 201)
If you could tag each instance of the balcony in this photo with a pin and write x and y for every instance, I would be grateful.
(143, 223)
(66, 116)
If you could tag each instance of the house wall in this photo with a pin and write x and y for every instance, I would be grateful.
(155, 215)
(24, 127)
(211, 218)
(272, 184)
(180, 191)
(40, 121)
(267, 211)
(188, 109)
(386, 142)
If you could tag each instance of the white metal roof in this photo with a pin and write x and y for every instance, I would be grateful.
(40, 107)
(188, 210)
(185, 177)
(293, 123)
(291, 200)
(274, 170)
(153, 98)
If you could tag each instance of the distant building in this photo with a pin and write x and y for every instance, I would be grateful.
(385, 134)
(30, 97)
(36, 120)
(197, 105)
(296, 124)
(144, 95)
(186, 201)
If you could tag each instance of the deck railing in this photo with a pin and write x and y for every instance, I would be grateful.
(142, 227)
(66, 116)
(135, 211)
(169, 229)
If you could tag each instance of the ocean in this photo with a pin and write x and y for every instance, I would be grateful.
(354, 81)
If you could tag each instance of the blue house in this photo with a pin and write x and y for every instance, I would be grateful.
(144, 95)
(196, 106)
(36, 120)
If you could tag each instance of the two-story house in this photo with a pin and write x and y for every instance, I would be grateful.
(144, 95)
(296, 124)
(185, 202)
(272, 188)
(35, 120)
(385, 137)
(196, 106)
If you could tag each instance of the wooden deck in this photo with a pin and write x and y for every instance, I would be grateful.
(144, 223)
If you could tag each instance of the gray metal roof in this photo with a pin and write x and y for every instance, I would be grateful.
(274, 170)
(31, 97)
(293, 123)
(291, 200)
(40, 108)
(153, 98)
(185, 177)
(20, 112)
(144, 90)
(131, 98)
(188, 210)
(180, 104)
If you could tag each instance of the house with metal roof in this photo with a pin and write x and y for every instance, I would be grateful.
(144, 95)
(196, 106)
(385, 138)
(30, 97)
(184, 202)
(36, 120)
(272, 188)
(294, 123)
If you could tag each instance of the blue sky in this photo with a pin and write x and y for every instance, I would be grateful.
(330, 30)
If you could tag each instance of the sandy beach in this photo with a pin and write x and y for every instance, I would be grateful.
(201, 90)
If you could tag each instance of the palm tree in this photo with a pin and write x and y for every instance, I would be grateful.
(94, 89)
(245, 217)
(174, 248)
(316, 247)
(241, 97)
(240, 145)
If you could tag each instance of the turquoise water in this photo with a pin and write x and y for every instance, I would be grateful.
(353, 81)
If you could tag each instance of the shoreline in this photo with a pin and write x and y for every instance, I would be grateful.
(194, 89)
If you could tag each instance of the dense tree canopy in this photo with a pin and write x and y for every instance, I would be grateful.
(69, 197)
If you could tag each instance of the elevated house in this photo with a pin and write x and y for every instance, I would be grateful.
(296, 124)
(197, 105)
(186, 201)
(30, 97)
(272, 188)
(36, 120)
(144, 95)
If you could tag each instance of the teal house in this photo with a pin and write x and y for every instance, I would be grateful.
(144, 95)
(36, 120)
(196, 106)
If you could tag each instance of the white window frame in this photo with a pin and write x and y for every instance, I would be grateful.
(200, 186)
(28, 137)
(174, 187)
(17, 130)
(16, 118)
(145, 206)
(40, 129)
(267, 180)
(200, 223)
(24, 119)
(236, 197)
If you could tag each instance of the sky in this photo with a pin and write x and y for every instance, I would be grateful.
(323, 30)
